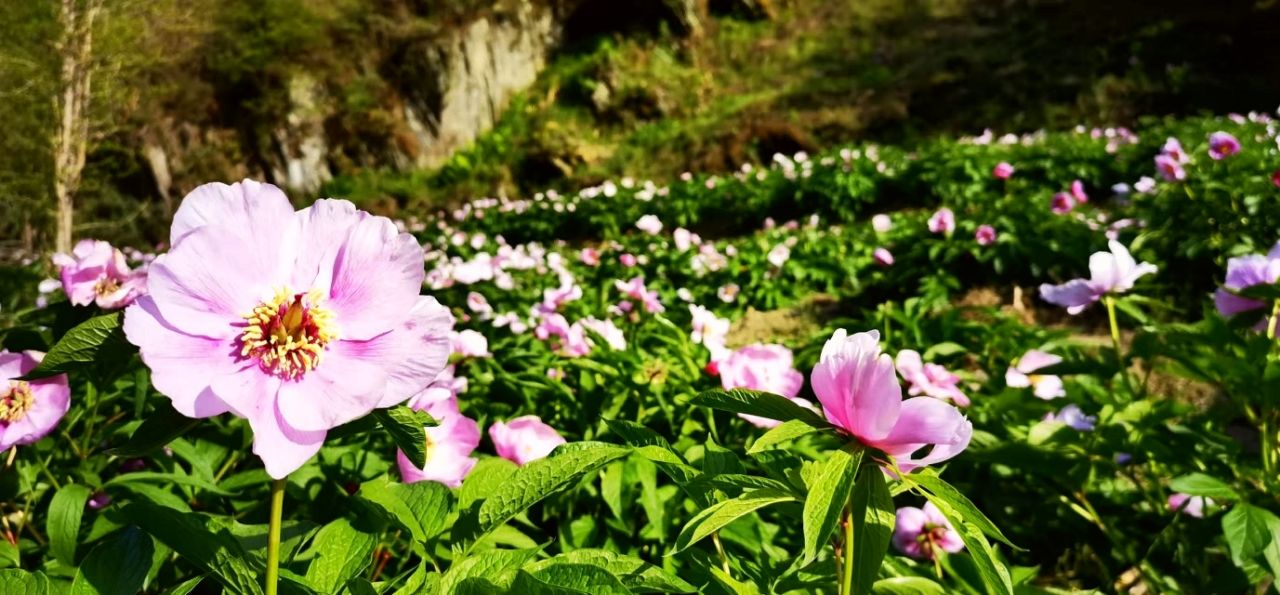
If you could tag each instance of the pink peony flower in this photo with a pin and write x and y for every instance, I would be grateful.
(296, 321)
(859, 392)
(1062, 203)
(761, 367)
(685, 239)
(607, 330)
(1110, 272)
(1191, 505)
(1247, 271)
(649, 224)
(1275, 178)
(929, 379)
(943, 221)
(29, 409)
(881, 223)
(882, 256)
(920, 533)
(628, 260)
(524, 439)
(1144, 185)
(985, 235)
(1173, 149)
(1022, 375)
(449, 443)
(1002, 171)
(96, 272)
(589, 257)
(469, 343)
(1223, 145)
(728, 293)
(1170, 168)
(1078, 193)
(779, 255)
(479, 305)
(636, 290)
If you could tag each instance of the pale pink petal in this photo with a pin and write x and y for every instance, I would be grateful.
(1035, 359)
(857, 385)
(243, 203)
(182, 366)
(346, 385)
(419, 352)
(1074, 295)
(376, 276)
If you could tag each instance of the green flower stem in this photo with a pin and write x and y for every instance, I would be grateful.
(1271, 324)
(846, 583)
(273, 536)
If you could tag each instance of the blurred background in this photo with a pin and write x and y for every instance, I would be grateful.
(112, 110)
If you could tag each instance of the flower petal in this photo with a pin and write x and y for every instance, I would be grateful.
(240, 203)
(375, 275)
(857, 385)
(182, 366)
(346, 385)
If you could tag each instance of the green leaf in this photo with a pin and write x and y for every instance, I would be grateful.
(733, 585)
(65, 511)
(994, 574)
(81, 346)
(1199, 484)
(758, 403)
(188, 534)
(720, 514)
(162, 427)
(339, 553)
(21, 582)
(940, 492)
(543, 477)
(154, 476)
(1249, 532)
(568, 579)
(420, 508)
(873, 517)
(633, 572)
(484, 479)
(495, 567)
(186, 587)
(907, 585)
(407, 429)
(788, 431)
(116, 566)
(827, 498)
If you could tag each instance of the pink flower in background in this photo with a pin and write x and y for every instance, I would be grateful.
(684, 239)
(728, 293)
(1275, 178)
(449, 443)
(1144, 185)
(943, 221)
(1243, 272)
(628, 260)
(479, 305)
(1222, 145)
(1173, 149)
(553, 298)
(589, 257)
(636, 291)
(524, 439)
(29, 409)
(761, 367)
(1022, 375)
(859, 392)
(920, 533)
(649, 224)
(882, 256)
(710, 331)
(96, 272)
(985, 235)
(1002, 171)
(779, 255)
(881, 223)
(1062, 203)
(607, 330)
(1191, 505)
(469, 343)
(296, 321)
(1078, 193)
(1170, 168)
(1110, 272)
(929, 379)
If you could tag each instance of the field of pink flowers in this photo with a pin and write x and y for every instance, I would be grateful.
(996, 364)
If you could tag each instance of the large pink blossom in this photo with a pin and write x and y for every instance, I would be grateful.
(296, 321)
(450, 442)
(929, 379)
(919, 533)
(859, 392)
(29, 409)
(765, 368)
(96, 272)
(524, 439)
(1223, 145)
(1109, 273)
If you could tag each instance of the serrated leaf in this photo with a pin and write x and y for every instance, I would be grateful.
(188, 534)
(407, 429)
(635, 573)
(786, 432)
(81, 346)
(116, 566)
(25, 583)
(873, 517)
(941, 491)
(568, 579)
(1199, 484)
(162, 427)
(720, 514)
(531, 483)
(827, 498)
(497, 567)
(485, 477)
(758, 403)
(63, 525)
(419, 508)
(339, 553)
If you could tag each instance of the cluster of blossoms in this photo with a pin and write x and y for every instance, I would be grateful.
(97, 273)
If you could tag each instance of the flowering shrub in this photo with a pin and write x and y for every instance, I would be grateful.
(874, 370)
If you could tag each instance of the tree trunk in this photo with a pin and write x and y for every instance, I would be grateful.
(71, 139)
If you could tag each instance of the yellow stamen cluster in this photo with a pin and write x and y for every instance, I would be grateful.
(106, 286)
(289, 333)
(15, 401)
